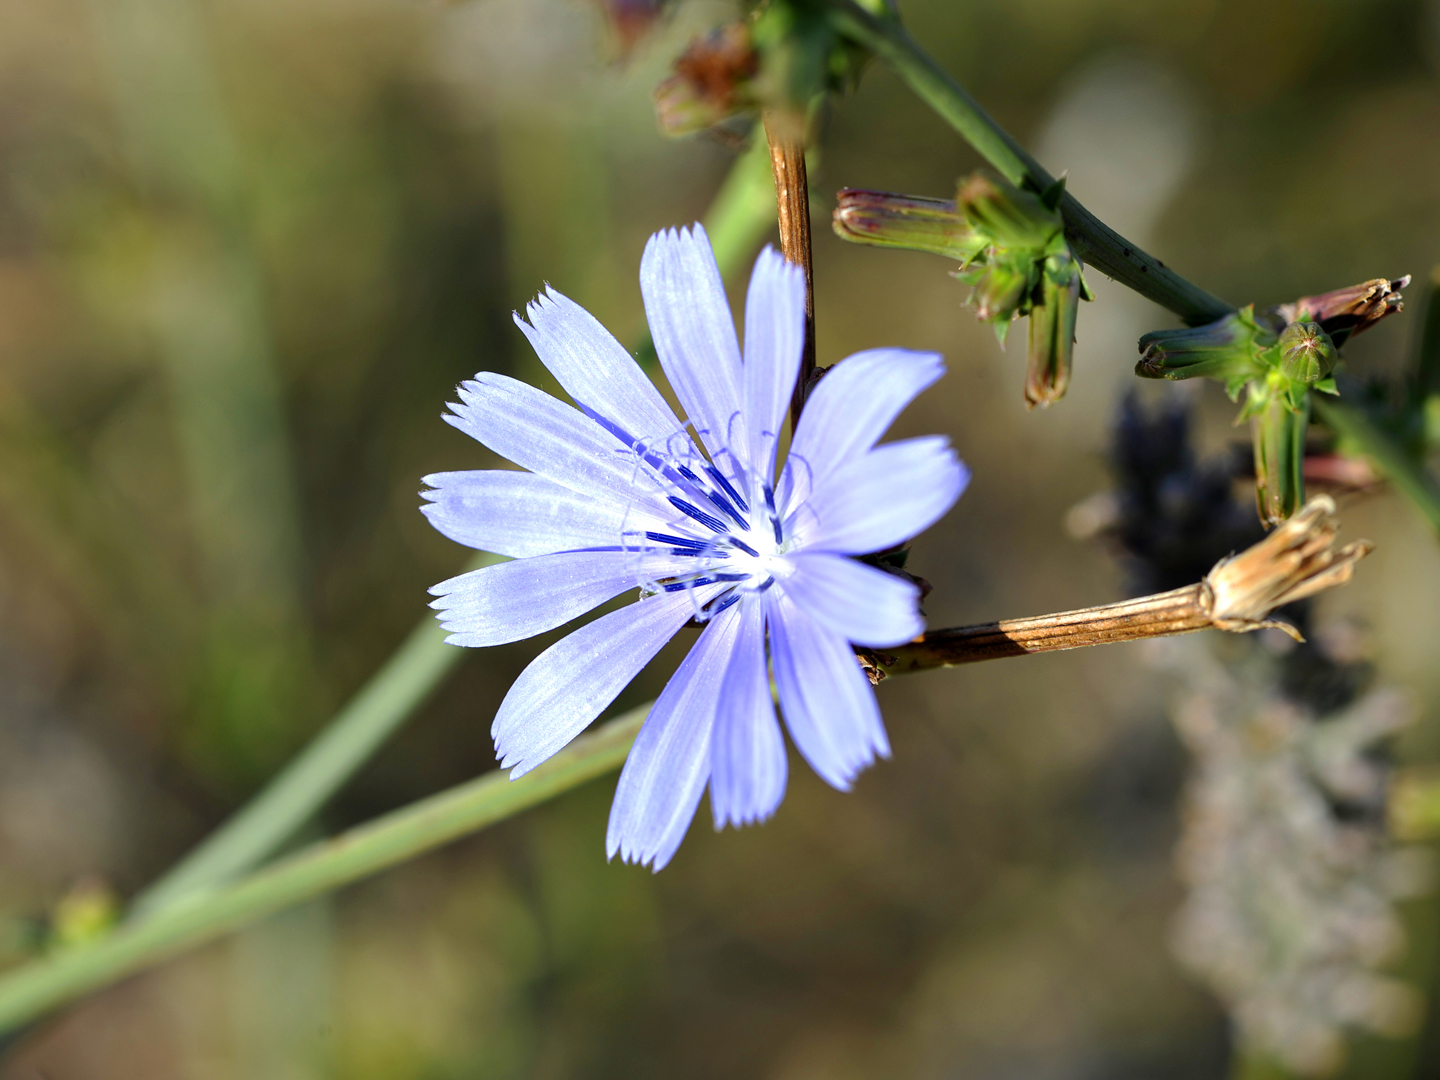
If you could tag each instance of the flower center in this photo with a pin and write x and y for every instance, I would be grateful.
(726, 524)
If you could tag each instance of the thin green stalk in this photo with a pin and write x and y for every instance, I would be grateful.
(1094, 241)
(1405, 474)
(30, 991)
(271, 818)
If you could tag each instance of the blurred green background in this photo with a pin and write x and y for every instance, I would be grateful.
(247, 249)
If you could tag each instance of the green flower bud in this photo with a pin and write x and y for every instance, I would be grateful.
(905, 221)
(1307, 354)
(1279, 455)
(1230, 350)
(1052, 332)
(1003, 284)
(1009, 217)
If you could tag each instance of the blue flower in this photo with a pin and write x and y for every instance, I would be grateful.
(618, 496)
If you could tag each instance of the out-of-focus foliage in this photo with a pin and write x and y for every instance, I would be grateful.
(246, 251)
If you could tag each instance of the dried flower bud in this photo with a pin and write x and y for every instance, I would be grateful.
(712, 81)
(1307, 354)
(1228, 349)
(905, 221)
(1052, 332)
(1008, 216)
(630, 21)
(1345, 312)
(1297, 560)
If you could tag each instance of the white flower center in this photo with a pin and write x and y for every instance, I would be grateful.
(728, 525)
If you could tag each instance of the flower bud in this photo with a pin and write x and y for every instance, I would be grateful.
(1052, 332)
(1307, 354)
(1228, 349)
(905, 221)
(1279, 455)
(1342, 313)
(1008, 216)
(713, 80)
(1003, 284)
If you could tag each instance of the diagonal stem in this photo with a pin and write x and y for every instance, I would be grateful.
(792, 205)
(1094, 241)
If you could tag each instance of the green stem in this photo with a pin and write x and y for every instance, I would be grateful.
(1406, 475)
(1093, 241)
(32, 990)
(272, 817)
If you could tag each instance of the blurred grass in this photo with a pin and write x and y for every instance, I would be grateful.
(383, 186)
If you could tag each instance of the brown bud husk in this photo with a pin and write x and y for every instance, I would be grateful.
(1343, 313)
(712, 81)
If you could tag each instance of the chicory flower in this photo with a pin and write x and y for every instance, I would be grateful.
(617, 495)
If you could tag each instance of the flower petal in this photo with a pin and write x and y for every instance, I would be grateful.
(569, 684)
(595, 370)
(517, 600)
(828, 702)
(774, 341)
(881, 499)
(665, 774)
(853, 405)
(694, 335)
(548, 437)
(747, 752)
(520, 514)
(861, 603)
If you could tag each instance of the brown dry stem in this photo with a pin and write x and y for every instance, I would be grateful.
(792, 204)
(1297, 560)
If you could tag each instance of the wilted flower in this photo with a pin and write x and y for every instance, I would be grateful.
(619, 496)
(1345, 312)
(713, 80)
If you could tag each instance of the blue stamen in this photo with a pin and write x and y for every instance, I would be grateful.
(708, 520)
(735, 542)
(774, 517)
(693, 583)
(712, 609)
(696, 546)
(724, 505)
(719, 478)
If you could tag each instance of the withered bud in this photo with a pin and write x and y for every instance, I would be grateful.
(1297, 560)
(905, 221)
(1342, 313)
(1307, 354)
(712, 81)
(1008, 216)
(630, 21)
